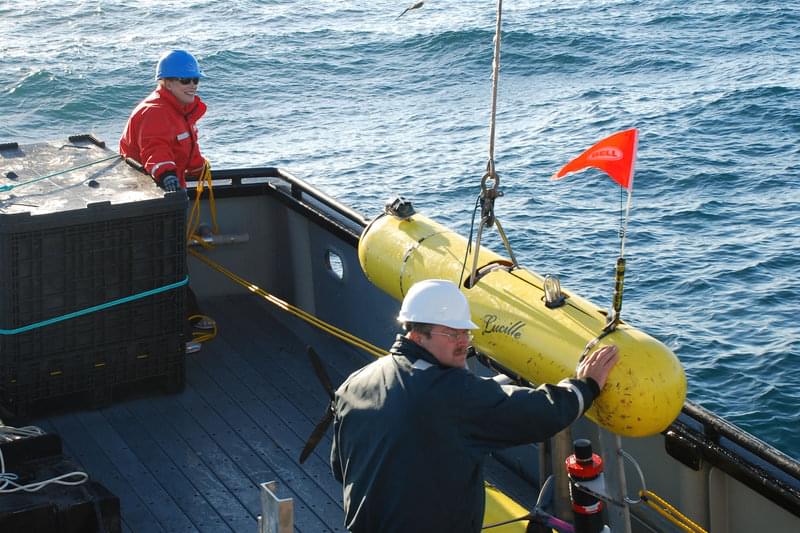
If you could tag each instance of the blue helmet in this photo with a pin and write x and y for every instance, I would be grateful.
(177, 64)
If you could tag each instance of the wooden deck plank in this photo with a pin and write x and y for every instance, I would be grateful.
(339, 357)
(241, 350)
(303, 392)
(276, 386)
(250, 446)
(274, 338)
(290, 432)
(106, 459)
(251, 343)
(224, 485)
(247, 416)
(217, 442)
(173, 477)
(146, 485)
(79, 446)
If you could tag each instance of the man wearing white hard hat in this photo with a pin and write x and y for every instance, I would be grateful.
(413, 429)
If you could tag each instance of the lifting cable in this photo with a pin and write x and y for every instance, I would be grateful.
(490, 191)
(490, 182)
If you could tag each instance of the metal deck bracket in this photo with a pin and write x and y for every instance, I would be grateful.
(277, 515)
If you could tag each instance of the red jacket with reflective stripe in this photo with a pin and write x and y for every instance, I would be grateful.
(161, 135)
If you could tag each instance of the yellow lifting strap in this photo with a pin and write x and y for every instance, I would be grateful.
(296, 311)
(193, 221)
(203, 336)
(192, 224)
(669, 512)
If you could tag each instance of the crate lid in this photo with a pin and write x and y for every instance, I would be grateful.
(77, 172)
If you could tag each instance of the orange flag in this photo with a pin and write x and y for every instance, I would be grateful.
(614, 155)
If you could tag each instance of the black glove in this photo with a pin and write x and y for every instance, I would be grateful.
(169, 182)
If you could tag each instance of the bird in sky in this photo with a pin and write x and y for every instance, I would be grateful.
(409, 8)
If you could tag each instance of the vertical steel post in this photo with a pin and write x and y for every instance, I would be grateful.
(277, 515)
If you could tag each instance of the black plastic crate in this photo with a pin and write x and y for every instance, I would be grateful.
(60, 266)
(158, 314)
(84, 257)
(93, 377)
(94, 231)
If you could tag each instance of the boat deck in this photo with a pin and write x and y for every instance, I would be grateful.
(194, 461)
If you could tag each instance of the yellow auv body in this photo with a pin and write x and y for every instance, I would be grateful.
(501, 508)
(645, 391)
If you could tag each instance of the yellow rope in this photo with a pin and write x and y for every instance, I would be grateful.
(669, 512)
(193, 221)
(296, 311)
(204, 336)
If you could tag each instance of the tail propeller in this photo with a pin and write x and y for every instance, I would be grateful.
(327, 418)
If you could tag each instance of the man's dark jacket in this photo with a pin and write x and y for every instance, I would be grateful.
(411, 437)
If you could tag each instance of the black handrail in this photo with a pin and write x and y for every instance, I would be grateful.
(298, 186)
(714, 427)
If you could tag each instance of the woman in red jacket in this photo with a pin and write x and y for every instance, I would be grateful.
(161, 133)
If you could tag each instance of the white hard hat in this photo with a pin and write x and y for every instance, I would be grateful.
(436, 301)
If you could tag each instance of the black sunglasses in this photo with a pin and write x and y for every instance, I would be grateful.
(187, 81)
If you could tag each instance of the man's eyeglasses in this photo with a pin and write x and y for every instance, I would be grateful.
(466, 335)
(187, 81)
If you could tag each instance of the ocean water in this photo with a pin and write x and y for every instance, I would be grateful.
(367, 105)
